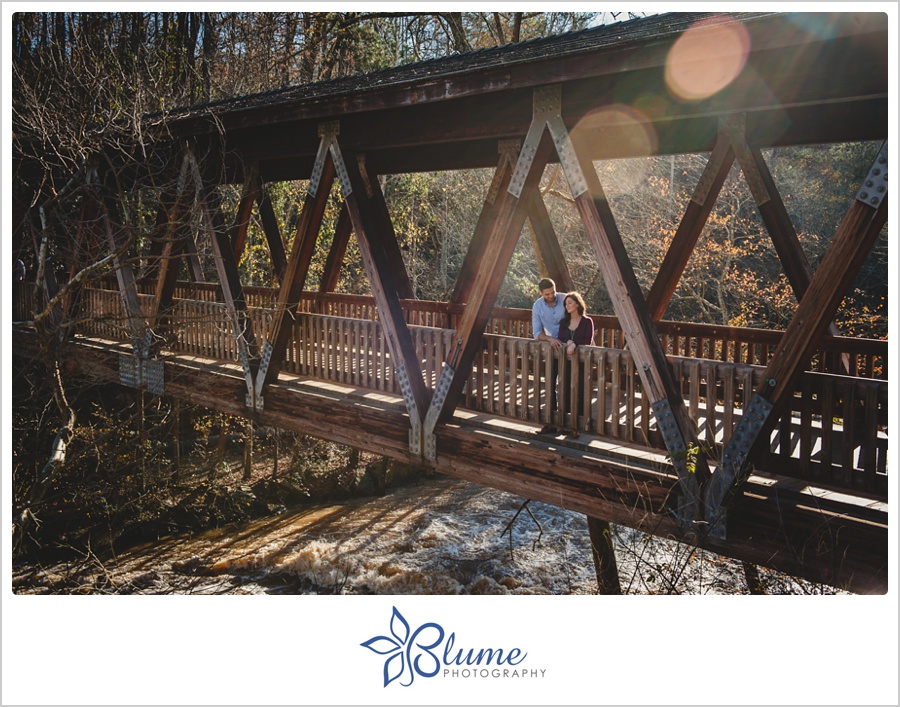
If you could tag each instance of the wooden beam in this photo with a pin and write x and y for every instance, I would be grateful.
(229, 281)
(335, 260)
(157, 240)
(550, 258)
(490, 210)
(695, 217)
(500, 245)
(385, 232)
(134, 314)
(845, 255)
(270, 228)
(174, 243)
(658, 383)
(193, 257)
(237, 232)
(374, 234)
(296, 270)
(774, 215)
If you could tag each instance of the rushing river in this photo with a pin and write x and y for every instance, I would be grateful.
(434, 536)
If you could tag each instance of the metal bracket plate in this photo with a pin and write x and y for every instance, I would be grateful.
(136, 372)
(687, 505)
(734, 456)
(874, 188)
(567, 157)
(128, 372)
(154, 376)
(341, 169)
(415, 420)
(509, 153)
(526, 157)
(434, 411)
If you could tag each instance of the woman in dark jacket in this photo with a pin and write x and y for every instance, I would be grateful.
(576, 329)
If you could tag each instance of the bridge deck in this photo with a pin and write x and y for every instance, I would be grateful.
(772, 523)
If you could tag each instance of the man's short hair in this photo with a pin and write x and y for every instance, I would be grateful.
(546, 283)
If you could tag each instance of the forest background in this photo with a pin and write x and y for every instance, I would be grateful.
(82, 84)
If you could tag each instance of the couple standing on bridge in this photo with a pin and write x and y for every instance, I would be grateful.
(560, 319)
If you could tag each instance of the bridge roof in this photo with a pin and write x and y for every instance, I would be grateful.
(801, 78)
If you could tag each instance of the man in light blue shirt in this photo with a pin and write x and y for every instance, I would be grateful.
(546, 314)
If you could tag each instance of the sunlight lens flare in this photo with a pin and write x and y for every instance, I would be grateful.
(616, 130)
(706, 59)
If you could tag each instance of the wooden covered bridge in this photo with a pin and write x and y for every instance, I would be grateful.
(767, 446)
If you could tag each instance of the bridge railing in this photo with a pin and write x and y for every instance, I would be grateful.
(865, 358)
(834, 432)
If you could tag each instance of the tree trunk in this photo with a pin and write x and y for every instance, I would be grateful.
(604, 556)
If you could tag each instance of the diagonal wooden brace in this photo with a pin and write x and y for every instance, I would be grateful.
(695, 217)
(845, 255)
(230, 283)
(465, 280)
(500, 244)
(368, 213)
(297, 267)
(659, 387)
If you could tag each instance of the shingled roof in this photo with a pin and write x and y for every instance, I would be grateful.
(809, 77)
(638, 30)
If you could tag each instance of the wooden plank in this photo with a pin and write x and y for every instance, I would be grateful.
(870, 436)
(383, 230)
(134, 314)
(827, 407)
(806, 435)
(237, 232)
(229, 275)
(602, 364)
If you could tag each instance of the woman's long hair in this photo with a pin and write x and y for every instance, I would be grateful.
(579, 300)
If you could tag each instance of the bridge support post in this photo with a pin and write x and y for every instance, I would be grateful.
(774, 214)
(331, 273)
(845, 255)
(551, 261)
(490, 210)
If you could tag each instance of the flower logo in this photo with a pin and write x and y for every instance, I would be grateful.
(407, 653)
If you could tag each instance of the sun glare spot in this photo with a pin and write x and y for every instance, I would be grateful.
(706, 59)
(617, 130)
